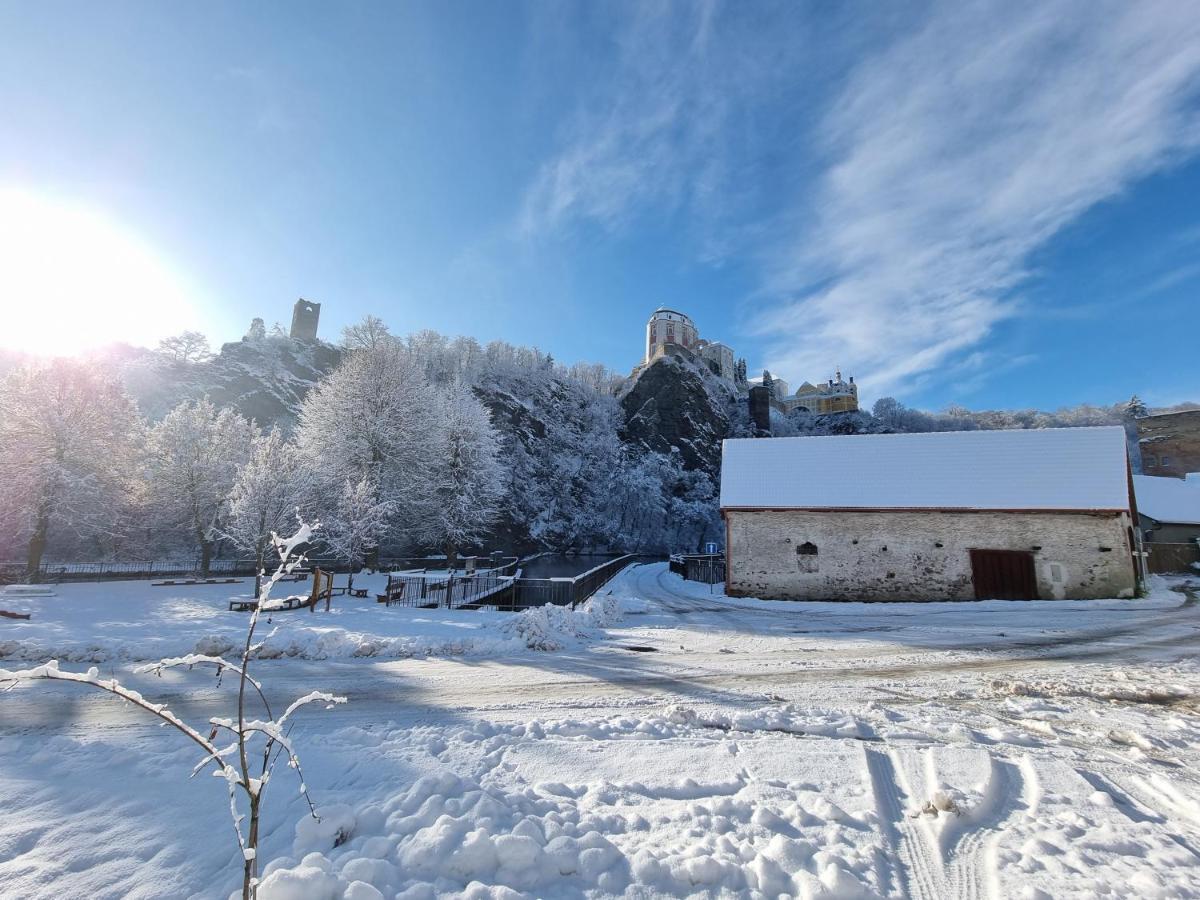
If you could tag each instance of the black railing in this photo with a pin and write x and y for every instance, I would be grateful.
(500, 589)
(11, 573)
(454, 591)
(707, 568)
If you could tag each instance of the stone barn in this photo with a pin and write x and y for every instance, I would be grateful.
(1038, 514)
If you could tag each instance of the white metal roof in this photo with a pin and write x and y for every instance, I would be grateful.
(1170, 500)
(1051, 468)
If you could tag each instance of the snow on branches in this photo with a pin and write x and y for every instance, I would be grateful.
(246, 763)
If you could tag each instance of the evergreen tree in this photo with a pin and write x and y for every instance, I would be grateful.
(1135, 408)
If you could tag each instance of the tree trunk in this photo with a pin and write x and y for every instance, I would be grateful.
(37, 545)
(250, 867)
(206, 552)
(451, 556)
(260, 560)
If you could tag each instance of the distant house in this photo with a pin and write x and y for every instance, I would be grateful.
(1170, 443)
(947, 516)
(1168, 508)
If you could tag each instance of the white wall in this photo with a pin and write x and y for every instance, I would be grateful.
(852, 564)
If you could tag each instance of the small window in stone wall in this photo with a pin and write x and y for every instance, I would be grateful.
(806, 557)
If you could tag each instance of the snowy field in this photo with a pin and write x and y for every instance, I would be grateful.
(666, 742)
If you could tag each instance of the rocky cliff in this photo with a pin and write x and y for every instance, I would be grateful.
(677, 403)
(265, 380)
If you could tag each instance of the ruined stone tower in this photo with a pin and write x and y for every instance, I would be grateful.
(304, 320)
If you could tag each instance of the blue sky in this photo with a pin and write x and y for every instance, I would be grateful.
(986, 204)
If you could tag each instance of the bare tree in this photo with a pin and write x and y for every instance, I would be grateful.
(357, 524)
(245, 765)
(374, 417)
(67, 436)
(188, 346)
(369, 334)
(270, 488)
(193, 457)
(468, 477)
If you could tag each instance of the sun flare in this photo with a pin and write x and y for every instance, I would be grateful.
(72, 280)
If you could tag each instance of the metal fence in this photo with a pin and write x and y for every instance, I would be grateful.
(500, 588)
(11, 573)
(451, 592)
(707, 568)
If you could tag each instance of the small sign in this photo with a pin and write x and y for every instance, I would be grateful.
(710, 548)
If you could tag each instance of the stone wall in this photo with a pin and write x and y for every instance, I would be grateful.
(922, 555)
(1170, 443)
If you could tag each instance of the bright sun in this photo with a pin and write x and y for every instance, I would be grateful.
(71, 280)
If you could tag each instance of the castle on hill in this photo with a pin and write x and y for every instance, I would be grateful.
(668, 330)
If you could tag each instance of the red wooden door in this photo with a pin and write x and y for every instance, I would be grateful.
(1003, 575)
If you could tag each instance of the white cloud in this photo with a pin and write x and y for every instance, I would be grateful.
(893, 214)
(956, 153)
(653, 131)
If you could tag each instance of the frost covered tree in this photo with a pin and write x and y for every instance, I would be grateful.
(357, 523)
(1135, 408)
(188, 346)
(257, 332)
(67, 441)
(375, 417)
(369, 334)
(245, 765)
(273, 484)
(192, 460)
(469, 479)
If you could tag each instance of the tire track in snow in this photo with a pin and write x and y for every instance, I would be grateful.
(972, 870)
(902, 868)
(923, 872)
(952, 856)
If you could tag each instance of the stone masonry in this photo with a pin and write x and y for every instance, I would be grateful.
(1170, 443)
(920, 555)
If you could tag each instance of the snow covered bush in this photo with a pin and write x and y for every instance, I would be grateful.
(247, 763)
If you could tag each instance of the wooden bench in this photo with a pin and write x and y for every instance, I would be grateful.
(322, 589)
(361, 593)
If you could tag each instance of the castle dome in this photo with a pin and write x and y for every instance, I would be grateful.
(669, 327)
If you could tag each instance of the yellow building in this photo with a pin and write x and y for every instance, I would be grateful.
(834, 396)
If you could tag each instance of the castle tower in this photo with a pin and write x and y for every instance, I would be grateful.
(304, 320)
(667, 327)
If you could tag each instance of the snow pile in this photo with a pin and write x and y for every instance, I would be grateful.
(788, 719)
(1111, 684)
(552, 627)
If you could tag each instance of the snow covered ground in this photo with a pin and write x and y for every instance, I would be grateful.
(667, 742)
